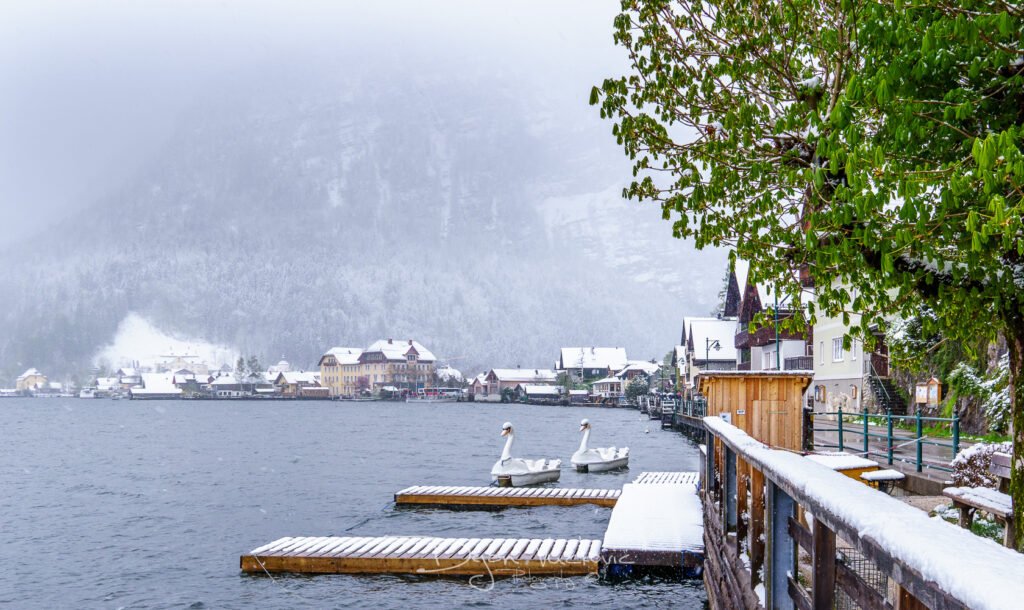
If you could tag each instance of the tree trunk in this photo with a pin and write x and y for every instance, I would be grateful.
(1015, 343)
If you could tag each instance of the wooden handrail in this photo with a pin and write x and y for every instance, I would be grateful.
(916, 552)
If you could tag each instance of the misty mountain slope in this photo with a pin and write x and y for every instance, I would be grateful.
(484, 224)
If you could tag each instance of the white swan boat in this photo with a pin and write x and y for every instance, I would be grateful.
(598, 459)
(518, 471)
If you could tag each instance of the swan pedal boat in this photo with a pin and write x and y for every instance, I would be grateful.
(518, 471)
(598, 459)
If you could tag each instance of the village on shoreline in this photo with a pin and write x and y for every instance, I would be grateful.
(407, 370)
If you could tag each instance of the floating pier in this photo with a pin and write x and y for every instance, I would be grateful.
(667, 478)
(656, 524)
(425, 555)
(501, 497)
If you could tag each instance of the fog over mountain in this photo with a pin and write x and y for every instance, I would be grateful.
(343, 192)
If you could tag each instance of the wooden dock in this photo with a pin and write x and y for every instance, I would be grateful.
(425, 556)
(656, 523)
(501, 497)
(667, 478)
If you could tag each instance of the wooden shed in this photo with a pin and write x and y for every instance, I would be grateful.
(767, 405)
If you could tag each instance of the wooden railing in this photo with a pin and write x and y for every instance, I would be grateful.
(773, 520)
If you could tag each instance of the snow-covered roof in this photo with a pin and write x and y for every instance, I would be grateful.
(594, 358)
(128, 372)
(281, 366)
(296, 377)
(536, 375)
(578, 393)
(29, 373)
(608, 380)
(397, 349)
(648, 368)
(157, 383)
(447, 372)
(106, 383)
(225, 379)
(344, 355)
(723, 330)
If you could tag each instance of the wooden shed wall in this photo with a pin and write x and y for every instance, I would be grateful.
(768, 408)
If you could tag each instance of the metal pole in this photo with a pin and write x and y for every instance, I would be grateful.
(840, 428)
(919, 439)
(867, 450)
(778, 348)
(888, 439)
(956, 434)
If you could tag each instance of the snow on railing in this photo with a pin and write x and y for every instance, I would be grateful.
(938, 563)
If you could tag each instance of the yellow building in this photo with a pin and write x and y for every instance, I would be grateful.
(30, 380)
(403, 365)
(340, 370)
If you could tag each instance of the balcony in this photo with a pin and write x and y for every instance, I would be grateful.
(798, 363)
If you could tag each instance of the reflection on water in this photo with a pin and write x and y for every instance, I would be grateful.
(149, 504)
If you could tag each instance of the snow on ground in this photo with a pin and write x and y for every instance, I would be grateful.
(138, 339)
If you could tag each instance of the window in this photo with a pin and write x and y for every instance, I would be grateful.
(853, 351)
(821, 352)
(837, 349)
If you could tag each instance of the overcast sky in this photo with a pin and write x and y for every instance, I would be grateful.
(92, 89)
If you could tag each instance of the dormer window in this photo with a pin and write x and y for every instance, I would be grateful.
(411, 357)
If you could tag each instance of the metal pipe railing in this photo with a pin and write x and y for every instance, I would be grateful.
(862, 426)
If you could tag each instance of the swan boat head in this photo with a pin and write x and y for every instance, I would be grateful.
(584, 424)
(506, 428)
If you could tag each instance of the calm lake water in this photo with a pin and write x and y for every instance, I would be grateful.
(131, 504)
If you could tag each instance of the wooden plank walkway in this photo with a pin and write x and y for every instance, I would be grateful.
(499, 497)
(667, 478)
(425, 555)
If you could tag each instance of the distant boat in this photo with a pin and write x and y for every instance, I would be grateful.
(87, 393)
(436, 395)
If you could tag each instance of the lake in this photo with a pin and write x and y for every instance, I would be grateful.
(148, 504)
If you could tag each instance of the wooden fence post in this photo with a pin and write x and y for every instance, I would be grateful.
(757, 516)
(781, 556)
(824, 563)
(730, 490)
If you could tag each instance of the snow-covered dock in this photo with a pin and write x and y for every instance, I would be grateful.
(658, 521)
(425, 555)
(500, 497)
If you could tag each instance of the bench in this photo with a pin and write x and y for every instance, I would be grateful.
(997, 504)
(999, 467)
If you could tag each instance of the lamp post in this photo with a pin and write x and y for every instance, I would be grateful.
(708, 344)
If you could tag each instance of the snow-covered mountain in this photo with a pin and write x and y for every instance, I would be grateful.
(484, 222)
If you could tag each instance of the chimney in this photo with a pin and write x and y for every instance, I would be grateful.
(389, 341)
(410, 341)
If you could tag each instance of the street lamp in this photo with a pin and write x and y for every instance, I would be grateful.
(708, 344)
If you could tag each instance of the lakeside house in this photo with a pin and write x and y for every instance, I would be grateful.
(156, 386)
(855, 380)
(609, 387)
(498, 380)
(31, 381)
(586, 363)
(404, 365)
(709, 346)
(765, 348)
(478, 387)
(339, 370)
(296, 384)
